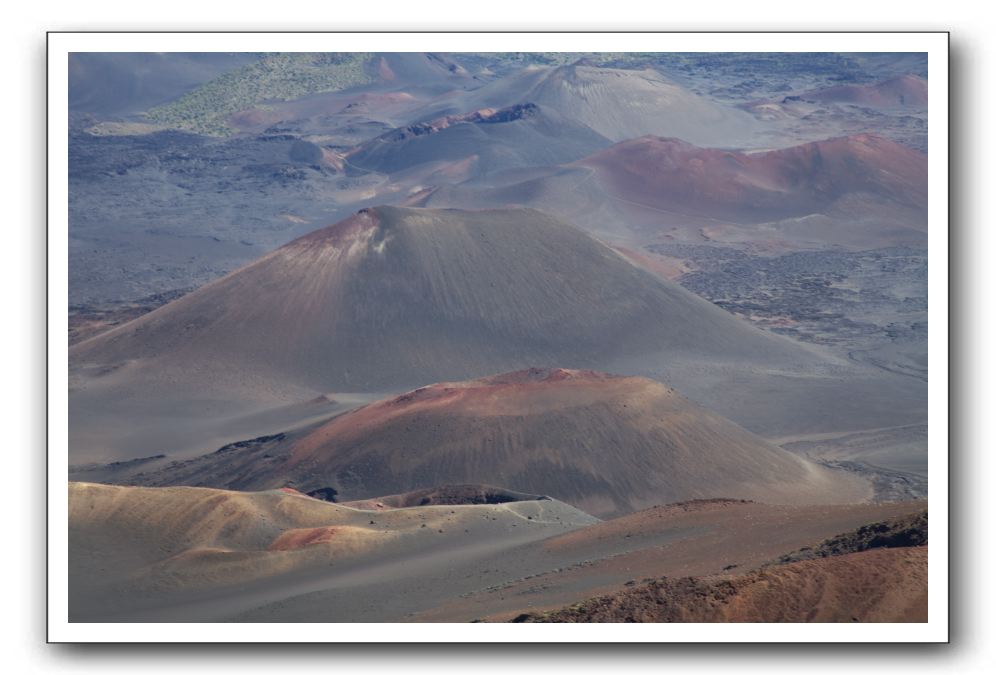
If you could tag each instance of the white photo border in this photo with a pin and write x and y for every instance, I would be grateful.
(61, 44)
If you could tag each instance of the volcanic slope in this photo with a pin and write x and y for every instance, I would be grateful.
(875, 573)
(487, 140)
(119, 83)
(189, 553)
(195, 554)
(766, 186)
(400, 296)
(859, 191)
(905, 90)
(697, 543)
(888, 585)
(605, 444)
(395, 298)
(615, 103)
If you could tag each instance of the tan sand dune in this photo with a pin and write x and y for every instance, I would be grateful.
(137, 549)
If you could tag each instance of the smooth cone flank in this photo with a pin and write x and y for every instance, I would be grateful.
(767, 186)
(905, 90)
(619, 104)
(859, 192)
(392, 298)
(602, 443)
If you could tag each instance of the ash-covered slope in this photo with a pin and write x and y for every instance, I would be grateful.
(396, 298)
(877, 572)
(393, 298)
(488, 140)
(199, 554)
(766, 186)
(904, 91)
(859, 191)
(883, 586)
(622, 104)
(109, 84)
(426, 70)
(605, 444)
(615, 103)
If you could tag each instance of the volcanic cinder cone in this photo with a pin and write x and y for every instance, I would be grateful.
(905, 90)
(603, 443)
(392, 298)
(766, 186)
(615, 103)
(395, 298)
(859, 192)
(483, 141)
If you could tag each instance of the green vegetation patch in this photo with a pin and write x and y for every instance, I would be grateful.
(274, 77)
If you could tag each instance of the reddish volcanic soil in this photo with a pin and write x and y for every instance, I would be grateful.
(905, 90)
(292, 491)
(395, 298)
(693, 539)
(293, 539)
(202, 554)
(518, 393)
(674, 176)
(884, 585)
(604, 443)
(197, 554)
